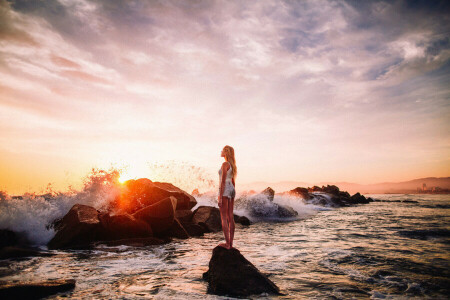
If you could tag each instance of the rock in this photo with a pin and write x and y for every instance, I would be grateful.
(331, 189)
(302, 192)
(194, 229)
(8, 238)
(21, 252)
(122, 227)
(231, 274)
(137, 194)
(160, 215)
(177, 230)
(79, 227)
(269, 192)
(135, 242)
(35, 290)
(209, 217)
(315, 189)
(241, 220)
(358, 198)
(285, 211)
(184, 215)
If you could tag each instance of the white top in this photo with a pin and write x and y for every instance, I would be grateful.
(229, 174)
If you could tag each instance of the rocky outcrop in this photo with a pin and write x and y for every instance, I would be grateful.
(140, 193)
(231, 274)
(302, 192)
(334, 198)
(79, 227)
(35, 290)
(160, 215)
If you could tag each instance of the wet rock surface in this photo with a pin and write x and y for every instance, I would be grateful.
(35, 290)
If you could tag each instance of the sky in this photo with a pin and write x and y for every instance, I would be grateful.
(309, 91)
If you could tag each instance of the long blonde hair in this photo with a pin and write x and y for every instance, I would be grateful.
(229, 154)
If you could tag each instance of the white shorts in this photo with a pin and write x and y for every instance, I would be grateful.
(229, 191)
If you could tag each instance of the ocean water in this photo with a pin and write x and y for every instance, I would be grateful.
(381, 250)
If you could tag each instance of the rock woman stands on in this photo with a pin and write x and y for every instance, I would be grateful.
(227, 192)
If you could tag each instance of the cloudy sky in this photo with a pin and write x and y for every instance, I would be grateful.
(308, 91)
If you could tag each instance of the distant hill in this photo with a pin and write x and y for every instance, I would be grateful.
(375, 188)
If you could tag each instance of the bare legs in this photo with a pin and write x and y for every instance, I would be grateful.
(227, 217)
(231, 221)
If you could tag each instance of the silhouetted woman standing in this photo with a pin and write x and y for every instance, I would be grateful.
(227, 192)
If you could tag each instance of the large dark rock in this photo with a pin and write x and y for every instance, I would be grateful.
(35, 290)
(269, 192)
(177, 230)
(122, 227)
(160, 215)
(137, 194)
(184, 215)
(194, 229)
(231, 274)
(208, 217)
(79, 227)
(8, 238)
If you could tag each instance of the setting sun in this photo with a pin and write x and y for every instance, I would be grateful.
(134, 172)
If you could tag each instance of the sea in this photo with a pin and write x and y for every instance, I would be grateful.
(397, 247)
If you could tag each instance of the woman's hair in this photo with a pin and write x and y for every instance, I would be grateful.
(229, 154)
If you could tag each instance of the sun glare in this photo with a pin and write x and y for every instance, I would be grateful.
(133, 173)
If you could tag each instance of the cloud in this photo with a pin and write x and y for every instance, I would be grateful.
(336, 73)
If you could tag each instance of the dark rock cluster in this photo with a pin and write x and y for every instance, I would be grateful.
(336, 197)
(162, 212)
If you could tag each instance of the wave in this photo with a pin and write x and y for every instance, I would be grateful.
(261, 208)
(30, 214)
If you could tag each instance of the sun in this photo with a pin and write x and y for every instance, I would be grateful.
(133, 172)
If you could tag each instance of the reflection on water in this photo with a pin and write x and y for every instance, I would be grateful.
(378, 250)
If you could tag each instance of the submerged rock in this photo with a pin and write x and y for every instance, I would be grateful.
(135, 242)
(160, 215)
(35, 290)
(16, 252)
(137, 194)
(230, 273)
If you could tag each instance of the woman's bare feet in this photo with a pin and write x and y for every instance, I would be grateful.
(225, 245)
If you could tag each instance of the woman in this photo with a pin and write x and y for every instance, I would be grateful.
(227, 192)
